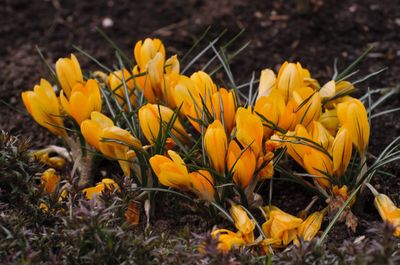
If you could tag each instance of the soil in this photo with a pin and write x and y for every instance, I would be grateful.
(279, 30)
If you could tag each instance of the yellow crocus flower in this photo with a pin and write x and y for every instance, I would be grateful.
(204, 85)
(83, 100)
(115, 83)
(91, 129)
(146, 50)
(290, 78)
(171, 171)
(267, 83)
(203, 184)
(341, 151)
(320, 165)
(149, 120)
(216, 145)
(330, 121)
(224, 107)
(227, 239)
(310, 227)
(353, 116)
(307, 103)
(321, 135)
(280, 226)
(69, 73)
(243, 223)
(42, 104)
(50, 180)
(249, 130)
(243, 164)
(388, 211)
(105, 183)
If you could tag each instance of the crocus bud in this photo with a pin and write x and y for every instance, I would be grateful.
(84, 99)
(42, 104)
(69, 73)
(290, 78)
(243, 223)
(249, 130)
(388, 211)
(146, 50)
(216, 145)
(310, 227)
(50, 180)
(243, 164)
(105, 184)
(341, 151)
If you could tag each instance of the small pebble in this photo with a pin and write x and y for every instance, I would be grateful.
(107, 22)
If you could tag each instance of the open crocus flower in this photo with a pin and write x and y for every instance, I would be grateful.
(353, 116)
(84, 99)
(280, 226)
(69, 74)
(50, 180)
(105, 184)
(115, 82)
(42, 104)
(111, 140)
(149, 120)
(249, 130)
(241, 163)
(216, 145)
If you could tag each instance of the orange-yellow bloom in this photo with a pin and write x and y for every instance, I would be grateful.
(42, 104)
(171, 171)
(267, 83)
(280, 226)
(115, 82)
(146, 50)
(243, 223)
(310, 227)
(242, 163)
(224, 107)
(341, 151)
(388, 211)
(105, 184)
(149, 120)
(227, 239)
(84, 99)
(290, 78)
(307, 104)
(50, 180)
(203, 184)
(249, 130)
(216, 145)
(69, 73)
(353, 116)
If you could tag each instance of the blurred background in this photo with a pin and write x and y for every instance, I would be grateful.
(314, 32)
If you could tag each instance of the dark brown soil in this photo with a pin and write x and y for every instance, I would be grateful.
(278, 30)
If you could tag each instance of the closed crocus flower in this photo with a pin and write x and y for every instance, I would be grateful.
(171, 171)
(290, 78)
(224, 107)
(149, 120)
(310, 227)
(271, 108)
(319, 164)
(341, 151)
(91, 129)
(155, 72)
(120, 149)
(307, 106)
(249, 130)
(216, 145)
(115, 82)
(105, 184)
(50, 180)
(243, 223)
(42, 104)
(280, 226)
(388, 211)
(204, 85)
(227, 239)
(353, 116)
(267, 83)
(172, 65)
(84, 99)
(69, 73)
(321, 135)
(203, 184)
(243, 164)
(146, 50)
